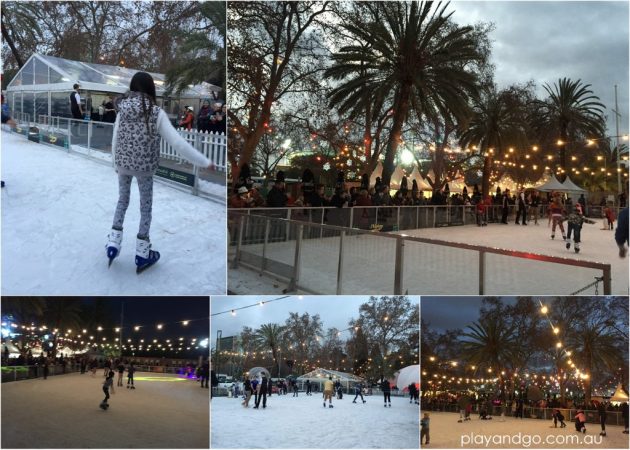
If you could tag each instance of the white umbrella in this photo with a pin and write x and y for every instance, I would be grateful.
(408, 375)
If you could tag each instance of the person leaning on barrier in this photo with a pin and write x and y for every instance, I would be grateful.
(621, 234)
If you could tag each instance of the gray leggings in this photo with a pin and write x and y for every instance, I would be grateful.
(145, 186)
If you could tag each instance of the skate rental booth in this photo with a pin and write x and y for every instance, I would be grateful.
(43, 86)
(319, 376)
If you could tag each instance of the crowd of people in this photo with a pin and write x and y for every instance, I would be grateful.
(520, 408)
(261, 387)
(210, 119)
(307, 193)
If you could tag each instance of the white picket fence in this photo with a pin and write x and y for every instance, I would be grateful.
(212, 145)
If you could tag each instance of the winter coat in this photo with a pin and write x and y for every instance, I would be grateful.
(385, 387)
(137, 148)
(187, 120)
(276, 198)
(578, 219)
(329, 386)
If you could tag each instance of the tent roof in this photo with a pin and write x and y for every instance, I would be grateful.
(43, 73)
(396, 178)
(322, 374)
(570, 186)
(416, 175)
(619, 395)
(552, 184)
(378, 172)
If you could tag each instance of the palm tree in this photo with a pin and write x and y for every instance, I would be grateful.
(203, 56)
(269, 337)
(62, 314)
(24, 311)
(596, 347)
(496, 121)
(491, 343)
(411, 53)
(571, 112)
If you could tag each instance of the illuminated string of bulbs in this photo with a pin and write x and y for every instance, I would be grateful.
(544, 309)
(260, 303)
(158, 326)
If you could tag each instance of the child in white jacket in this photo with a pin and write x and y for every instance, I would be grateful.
(136, 146)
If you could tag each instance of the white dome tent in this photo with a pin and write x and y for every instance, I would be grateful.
(408, 375)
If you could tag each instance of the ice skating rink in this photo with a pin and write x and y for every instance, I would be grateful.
(446, 432)
(303, 422)
(369, 263)
(62, 412)
(57, 210)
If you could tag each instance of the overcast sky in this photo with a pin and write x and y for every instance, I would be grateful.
(547, 40)
(449, 313)
(334, 311)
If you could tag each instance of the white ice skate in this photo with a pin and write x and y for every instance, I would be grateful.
(145, 257)
(114, 241)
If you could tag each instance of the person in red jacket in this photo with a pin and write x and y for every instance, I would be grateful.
(188, 118)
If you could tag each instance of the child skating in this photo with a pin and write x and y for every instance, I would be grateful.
(424, 429)
(575, 221)
(556, 212)
(130, 371)
(140, 124)
(107, 384)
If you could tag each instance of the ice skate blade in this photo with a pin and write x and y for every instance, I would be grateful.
(140, 269)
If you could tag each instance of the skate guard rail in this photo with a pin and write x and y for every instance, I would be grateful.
(529, 412)
(18, 373)
(93, 140)
(95, 135)
(391, 218)
(252, 237)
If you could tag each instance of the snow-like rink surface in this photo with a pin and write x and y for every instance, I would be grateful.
(369, 263)
(63, 412)
(446, 432)
(303, 422)
(57, 210)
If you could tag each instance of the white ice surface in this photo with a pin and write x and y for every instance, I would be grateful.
(63, 412)
(447, 433)
(57, 209)
(303, 422)
(368, 263)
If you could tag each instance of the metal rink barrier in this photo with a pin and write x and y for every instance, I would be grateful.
(325, 259)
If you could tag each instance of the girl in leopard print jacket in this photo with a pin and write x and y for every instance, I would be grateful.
(139, 125)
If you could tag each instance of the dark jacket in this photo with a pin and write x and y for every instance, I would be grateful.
(621, 234)
(385, 386)
(276, 198)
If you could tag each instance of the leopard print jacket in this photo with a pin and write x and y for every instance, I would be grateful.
(137, 148)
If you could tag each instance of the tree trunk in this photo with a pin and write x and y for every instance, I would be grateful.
(401, 107)
(485, 180)
(9, 41)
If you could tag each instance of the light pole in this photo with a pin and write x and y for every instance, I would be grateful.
(617, 116)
